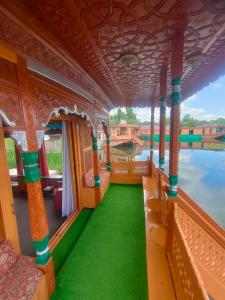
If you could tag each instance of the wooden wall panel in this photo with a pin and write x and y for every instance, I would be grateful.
(10, 105)
(87, 149)
(8, 71)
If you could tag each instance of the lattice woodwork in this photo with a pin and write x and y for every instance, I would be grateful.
(203, 245)
(184, 266)
(130, 168)
(139, 168)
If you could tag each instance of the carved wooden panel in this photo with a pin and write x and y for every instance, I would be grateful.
(10, 106)
(48, 96)
(8, 71)
(88, 160)
(204, 247)
(26, 43)
(97, 33)
(87, 149)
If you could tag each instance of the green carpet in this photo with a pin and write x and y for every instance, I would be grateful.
(67, 243)
(108, 261)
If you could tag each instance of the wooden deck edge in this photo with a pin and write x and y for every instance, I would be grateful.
(126, 180)
(160, 283)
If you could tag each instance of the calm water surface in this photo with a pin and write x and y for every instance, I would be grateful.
(202, 176)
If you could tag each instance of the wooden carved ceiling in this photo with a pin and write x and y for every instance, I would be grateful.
(96, 33)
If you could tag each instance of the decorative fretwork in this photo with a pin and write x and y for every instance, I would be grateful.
(203, 245)
(185, 273)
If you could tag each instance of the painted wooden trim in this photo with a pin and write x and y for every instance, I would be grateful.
(126, 180)
(56, 238)
(41, 292)
(8, 54)
(6, 198)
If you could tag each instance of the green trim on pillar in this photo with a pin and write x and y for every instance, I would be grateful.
(162, 109)
(176, 98)
(42, 251)
(163, 105)
(94, 143)
(173, 180)
(176, 80)
(162, 160)
(30, 161)
(108, 166)
(161, 163)
(163, 99)
(176, 95)
(97, 181)
(107, 139)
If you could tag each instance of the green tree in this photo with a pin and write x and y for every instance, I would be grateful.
(131, 117)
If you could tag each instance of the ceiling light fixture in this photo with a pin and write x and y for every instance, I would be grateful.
(128, 60)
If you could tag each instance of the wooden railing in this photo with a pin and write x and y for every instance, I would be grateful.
(186, 276)
(203, 236)
(130, 169)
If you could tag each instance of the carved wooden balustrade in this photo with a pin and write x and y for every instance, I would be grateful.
(186, 276)
(130, 169)
(204, 237)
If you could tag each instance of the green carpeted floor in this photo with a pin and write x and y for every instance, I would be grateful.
(108, 261)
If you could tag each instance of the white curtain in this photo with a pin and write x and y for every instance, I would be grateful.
(67, 193)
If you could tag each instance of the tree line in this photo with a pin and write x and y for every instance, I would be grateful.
(187, 121)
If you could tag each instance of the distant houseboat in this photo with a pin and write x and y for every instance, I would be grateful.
(207, 131)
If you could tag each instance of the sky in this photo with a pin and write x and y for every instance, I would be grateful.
(207, 104)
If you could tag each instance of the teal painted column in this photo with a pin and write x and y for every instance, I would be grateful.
(96, 168)
(176, 72)
(108, 152)
(162, 135)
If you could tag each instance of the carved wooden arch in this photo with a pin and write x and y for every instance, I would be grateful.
(65, 110)
(6, 120)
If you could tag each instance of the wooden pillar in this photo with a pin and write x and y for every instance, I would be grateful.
(7, 210)
(176, 72)
(152, 138)
(37, 214)
(96, 168)
(152, 127)
(106, 131)
(163, 94)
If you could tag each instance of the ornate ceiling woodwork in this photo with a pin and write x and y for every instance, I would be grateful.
(96, 34)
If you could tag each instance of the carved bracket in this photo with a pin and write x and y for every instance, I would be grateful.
(6, 119)
(20, 138)
(40, 137)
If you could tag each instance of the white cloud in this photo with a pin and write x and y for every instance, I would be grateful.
(193, 97)
(144, 114)
(216, 85)
(197, 113)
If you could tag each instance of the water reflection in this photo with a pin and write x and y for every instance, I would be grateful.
(201, 173)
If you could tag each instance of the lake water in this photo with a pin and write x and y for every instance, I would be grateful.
(201, 176)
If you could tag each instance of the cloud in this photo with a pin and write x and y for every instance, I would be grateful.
(193, 97)
(196, 113)
(216, 85)
(144, 114)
